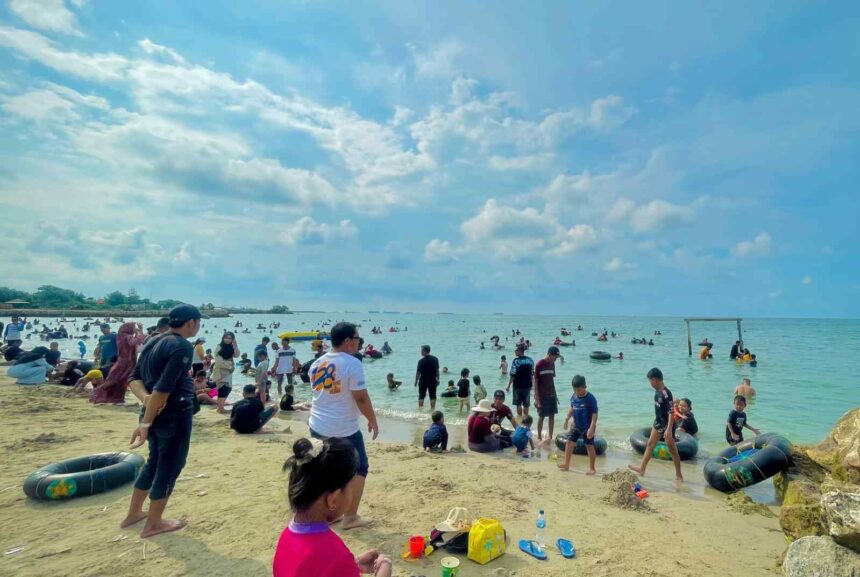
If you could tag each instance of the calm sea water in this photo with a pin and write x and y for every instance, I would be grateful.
(807, 375)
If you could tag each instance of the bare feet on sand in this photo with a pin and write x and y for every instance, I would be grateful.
(355, 522)
(591, 472)
(164, 526)
(637, 470)
(563, 467)
(133, 519)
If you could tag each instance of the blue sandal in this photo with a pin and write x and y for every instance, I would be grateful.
(566, 549)
(531, 548)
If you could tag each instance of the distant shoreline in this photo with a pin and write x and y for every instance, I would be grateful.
(101, 313)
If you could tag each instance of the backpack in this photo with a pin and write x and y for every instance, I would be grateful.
(486, 541)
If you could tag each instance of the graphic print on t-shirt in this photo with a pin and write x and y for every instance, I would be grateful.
(325, 379)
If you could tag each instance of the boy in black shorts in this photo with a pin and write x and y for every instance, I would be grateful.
(463, 386)
(664, 421)
(737, 422)
(583, 411)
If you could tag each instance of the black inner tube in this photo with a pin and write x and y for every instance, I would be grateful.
(748, 463)
(579, 448)
(687, 445)
(600, 355)
(83, 476)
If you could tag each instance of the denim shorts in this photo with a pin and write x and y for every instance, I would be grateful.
(357, 440)
(169, 439)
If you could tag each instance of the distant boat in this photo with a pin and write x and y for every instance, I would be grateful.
(444, 313)
(373, 312)
(391, 312)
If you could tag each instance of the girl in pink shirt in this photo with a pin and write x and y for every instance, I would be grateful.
(320, 492)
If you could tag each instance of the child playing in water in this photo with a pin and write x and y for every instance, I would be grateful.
(523, 435)
(392, 384)
(288, 402)
(463, 390)
(583, 411)
(504, 365)
(436, 437)
(320, 492)
(480, 391)
(737, 422)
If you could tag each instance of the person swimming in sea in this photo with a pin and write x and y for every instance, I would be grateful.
(392, 384)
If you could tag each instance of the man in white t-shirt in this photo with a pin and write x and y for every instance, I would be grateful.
(286, 355)
(339, 397)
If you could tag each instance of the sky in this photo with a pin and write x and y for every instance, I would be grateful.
(629, 158)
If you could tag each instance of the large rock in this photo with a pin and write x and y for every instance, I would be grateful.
(820, 557)
(840, 452)
(800, 515)
(841, 512)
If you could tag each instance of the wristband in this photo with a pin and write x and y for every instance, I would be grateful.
(145, 425)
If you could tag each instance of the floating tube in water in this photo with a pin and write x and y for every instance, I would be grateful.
(600, 356)
(748, 463)
(448, 394)
(687, 445)
(579, 449)
(564, 344)
(83, 476)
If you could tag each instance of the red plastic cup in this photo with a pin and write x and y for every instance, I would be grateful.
(416, 546)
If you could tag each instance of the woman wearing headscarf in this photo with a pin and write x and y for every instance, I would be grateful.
(128, 338)
(223, 367)
(30, 368)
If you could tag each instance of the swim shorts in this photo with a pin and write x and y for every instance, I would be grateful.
(548, 407)
(424, 389)
(224, 391)
(661, 428)
(576, 434)
(522, 397)
(357, 440)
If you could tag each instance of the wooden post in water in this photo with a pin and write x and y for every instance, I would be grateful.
(689, 338)
(740, 335)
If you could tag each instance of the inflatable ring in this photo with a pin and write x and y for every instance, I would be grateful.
(579, 449)
(748, 463)
(687, 445)
(83, 476)
(448, 394)
(600, 356)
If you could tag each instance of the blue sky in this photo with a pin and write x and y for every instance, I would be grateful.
(624, 158)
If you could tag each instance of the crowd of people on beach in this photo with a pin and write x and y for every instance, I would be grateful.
(172, 374)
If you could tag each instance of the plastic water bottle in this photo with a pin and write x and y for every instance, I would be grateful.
(541, 529)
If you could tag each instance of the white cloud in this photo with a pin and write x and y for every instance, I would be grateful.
(439, 251)
(151, 47)
(521, 233)
(462, 90)
(659, 214)
(609, 113)
(308, 232)
(621, 210)
(52, 15)
(759, 246)
(401, 115)
(525, 162)
(807, 280)
(613, 265)
(53, 103)
(438, 62)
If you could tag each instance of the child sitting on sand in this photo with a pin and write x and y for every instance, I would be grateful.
(202, 387)
(463, 390)
(480, 391)
(523, 435)
(738, 422)
(319, 474)
(436, 437)
(392, 384)
(288, 402)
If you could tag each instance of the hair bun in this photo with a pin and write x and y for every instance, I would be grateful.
(301, 448)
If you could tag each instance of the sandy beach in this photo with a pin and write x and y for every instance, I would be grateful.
(233, 493)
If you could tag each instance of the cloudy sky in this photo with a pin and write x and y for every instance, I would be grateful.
(606, 158)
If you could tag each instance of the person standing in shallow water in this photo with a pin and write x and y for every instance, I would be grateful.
(427, 377)
(161, 381)
(664, 425)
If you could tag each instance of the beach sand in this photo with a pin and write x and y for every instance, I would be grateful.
(234, 495)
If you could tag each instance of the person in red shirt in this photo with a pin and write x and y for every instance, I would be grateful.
(546, 401)
(481, 436)
(501, 411)
(320, 491)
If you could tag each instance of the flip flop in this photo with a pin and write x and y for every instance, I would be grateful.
(531, 548)
(566, 549)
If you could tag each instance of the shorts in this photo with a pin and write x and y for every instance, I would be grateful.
(281, 378)
(661, 427)
(14, 342)
(731, 441)
(224, 391)
(522, 397)
(357, 440)
(548, 407)
(577, 434)
(425, 389)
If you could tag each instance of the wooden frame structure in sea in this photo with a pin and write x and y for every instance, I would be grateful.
(709, 320)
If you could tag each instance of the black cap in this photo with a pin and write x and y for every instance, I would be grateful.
(183, 314)
(553, 350)
(499, 394)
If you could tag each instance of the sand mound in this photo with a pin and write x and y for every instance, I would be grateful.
(741, 503)
(620, 495)
(41, 440)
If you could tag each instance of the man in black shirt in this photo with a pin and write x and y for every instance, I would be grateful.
(522, 370)
(160, 380)
(664, 422)
(427, 377)
(249, 415)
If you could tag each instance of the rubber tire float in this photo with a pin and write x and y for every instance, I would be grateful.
(579, 449)
(83, 476)
(748, 463)
(600, 356)
(687, 445)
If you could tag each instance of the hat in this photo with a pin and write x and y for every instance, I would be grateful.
(553, 350)
(457, 520)
(483, 406)
(181, 314)
(94, 374)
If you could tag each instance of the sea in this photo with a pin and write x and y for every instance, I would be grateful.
(806, 378)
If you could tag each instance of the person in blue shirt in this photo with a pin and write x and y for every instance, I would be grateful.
(523, 436)
(12, 332)
(436, 437)
(583, 411)
(106, 349)
(263, 346)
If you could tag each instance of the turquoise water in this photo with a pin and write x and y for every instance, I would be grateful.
(806, 377)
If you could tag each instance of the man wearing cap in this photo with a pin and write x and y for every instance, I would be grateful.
(160, 380)
(546, 401)
(520, 377)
